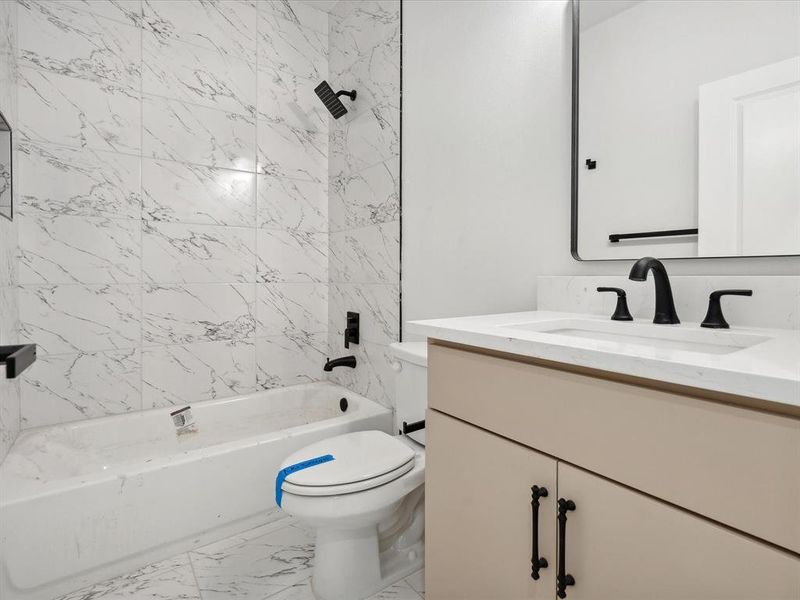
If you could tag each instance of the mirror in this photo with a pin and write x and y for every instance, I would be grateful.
(686, 128)
(6, 198)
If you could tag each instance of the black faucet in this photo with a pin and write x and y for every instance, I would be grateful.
(714, 317)
(665, 305)
(345, 361)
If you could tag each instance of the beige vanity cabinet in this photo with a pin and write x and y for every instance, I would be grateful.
(478, 494)
(619, 544)
(645, 484)
(623, 545)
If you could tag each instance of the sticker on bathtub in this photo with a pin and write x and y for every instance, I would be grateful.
(183, 420)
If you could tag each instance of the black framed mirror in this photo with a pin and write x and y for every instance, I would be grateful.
(6, 183)
(685, 141)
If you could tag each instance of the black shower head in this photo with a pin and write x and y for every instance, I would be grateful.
(331, 99)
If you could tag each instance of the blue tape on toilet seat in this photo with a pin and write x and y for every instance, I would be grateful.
(285, 472)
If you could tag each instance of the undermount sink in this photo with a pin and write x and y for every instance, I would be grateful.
(666, 337)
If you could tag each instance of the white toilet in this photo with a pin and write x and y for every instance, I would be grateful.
(367, 502)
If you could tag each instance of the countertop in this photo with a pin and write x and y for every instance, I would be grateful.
(769, 370)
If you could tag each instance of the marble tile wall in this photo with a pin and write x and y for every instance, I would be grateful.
(9, 300)
(364, 182)
(173, 201)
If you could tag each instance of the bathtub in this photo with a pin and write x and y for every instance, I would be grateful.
(85, 501)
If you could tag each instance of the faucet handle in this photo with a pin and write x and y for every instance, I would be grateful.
(621, 312)
(714, 317)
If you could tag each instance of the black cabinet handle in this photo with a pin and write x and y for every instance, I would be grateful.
(537, 562)
(564, 579)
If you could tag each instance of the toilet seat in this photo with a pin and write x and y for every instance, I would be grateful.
(362, 460)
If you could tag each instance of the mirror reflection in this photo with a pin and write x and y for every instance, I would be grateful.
(689, 129)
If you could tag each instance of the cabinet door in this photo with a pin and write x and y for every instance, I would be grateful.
(479, 526)
(623, 545)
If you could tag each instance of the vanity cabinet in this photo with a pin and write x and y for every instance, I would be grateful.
(480, 546)
(675, 496)
(482, 532)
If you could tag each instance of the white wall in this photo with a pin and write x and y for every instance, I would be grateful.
(486, 192)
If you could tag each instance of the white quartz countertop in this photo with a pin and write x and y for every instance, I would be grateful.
(768, 370)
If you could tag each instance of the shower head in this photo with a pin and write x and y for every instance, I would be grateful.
(331, 99)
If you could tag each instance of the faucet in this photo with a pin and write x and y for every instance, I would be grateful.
(345, 361)
(665, 305)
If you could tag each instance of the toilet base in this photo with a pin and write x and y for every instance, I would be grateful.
(347, 565)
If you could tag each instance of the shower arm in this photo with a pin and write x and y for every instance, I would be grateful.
(351, 94)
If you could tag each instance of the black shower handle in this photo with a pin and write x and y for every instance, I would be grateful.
(537, 562)
(563, 579)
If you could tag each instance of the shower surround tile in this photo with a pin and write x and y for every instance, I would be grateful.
(291, 308)
(373, 377)
(290, 359)
(292, 256)
(360, 27)
(292, 153)
(124, 11)
(89, 183)
(182, 374)
(9, 414)
(56, 38)
(8, 28)
(196, 75)
(179, 314)
(71, 387)
(9, 255)
(298, 13)
(371, 138)
(369, 197)
(288, 47)
(70, 249)
(292, 204)
(78, 113)
(179, 253)
(376, 76)
(366, 255)
(225, 27)
(177, 192)
(80, 318)
(183, 132)
(287, 99)
(377, 306)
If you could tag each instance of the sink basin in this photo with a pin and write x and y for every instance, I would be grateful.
(666, 337)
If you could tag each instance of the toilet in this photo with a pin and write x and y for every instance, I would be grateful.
(363, 493)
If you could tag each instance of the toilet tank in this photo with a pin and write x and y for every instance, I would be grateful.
(410, 365)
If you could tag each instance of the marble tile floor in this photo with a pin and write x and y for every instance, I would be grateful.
(270, 562)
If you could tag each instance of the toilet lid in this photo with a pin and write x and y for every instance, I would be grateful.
(348, 488)
(358, 456)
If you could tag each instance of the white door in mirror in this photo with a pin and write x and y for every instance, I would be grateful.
(749, 162)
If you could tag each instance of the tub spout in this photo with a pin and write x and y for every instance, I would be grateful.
(345, 361)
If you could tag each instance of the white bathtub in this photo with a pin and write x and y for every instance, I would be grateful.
(84, 501)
